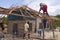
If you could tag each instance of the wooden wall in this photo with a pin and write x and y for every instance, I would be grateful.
(20, 26)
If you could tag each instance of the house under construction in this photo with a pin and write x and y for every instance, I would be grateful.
(17, 16)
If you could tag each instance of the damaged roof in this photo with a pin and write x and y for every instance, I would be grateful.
(21, 8)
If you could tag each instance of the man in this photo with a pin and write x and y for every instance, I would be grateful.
(26, 28)
(44, 22)
(43, 7)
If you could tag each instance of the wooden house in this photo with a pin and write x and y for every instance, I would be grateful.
(17, 17)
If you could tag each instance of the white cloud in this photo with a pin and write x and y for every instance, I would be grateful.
(53, 10)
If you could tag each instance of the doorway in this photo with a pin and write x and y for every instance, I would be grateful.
(15, 29)
(30, 26)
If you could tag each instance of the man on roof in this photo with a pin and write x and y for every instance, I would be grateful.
(43, 7)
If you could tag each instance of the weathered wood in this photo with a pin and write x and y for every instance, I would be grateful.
(43, 33)
(53, 28)
(18, 15)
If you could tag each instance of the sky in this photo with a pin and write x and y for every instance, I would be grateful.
(53, 5)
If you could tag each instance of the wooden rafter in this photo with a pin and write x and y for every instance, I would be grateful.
(32, 12)
(18, 15)
(21, 12)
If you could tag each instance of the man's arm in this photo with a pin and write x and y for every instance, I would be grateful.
(39, 10)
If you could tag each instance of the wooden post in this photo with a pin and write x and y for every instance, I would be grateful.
(53, 33)
(35, 25)
(53, 28)
(52, 25)
(43, 31)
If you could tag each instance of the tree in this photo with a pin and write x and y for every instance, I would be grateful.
(57, 22)
(58, 16)
(5, 20)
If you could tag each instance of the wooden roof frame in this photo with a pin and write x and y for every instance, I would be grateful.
(9, 10)
(17, 14)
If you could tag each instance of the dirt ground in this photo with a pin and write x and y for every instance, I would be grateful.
(35, 36)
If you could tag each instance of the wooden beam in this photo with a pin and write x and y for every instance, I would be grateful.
(18, 15)
(28, 13)
(43, 32)
(21, 11)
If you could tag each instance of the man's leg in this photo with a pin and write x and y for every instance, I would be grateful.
(23, 35)
(47, 13)
(43, 12)
(28, 35)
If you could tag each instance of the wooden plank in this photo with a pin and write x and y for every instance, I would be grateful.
(19, 15)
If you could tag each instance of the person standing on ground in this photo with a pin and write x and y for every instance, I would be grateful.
(44, 22)
(26, 28)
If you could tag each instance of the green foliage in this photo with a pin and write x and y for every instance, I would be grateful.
(58, 16)
(57, 22)
(5, 20)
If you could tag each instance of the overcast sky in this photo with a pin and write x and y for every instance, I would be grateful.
(53, 5)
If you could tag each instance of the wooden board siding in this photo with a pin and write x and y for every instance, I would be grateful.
(38, 22)
(20, 26)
